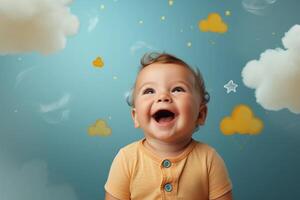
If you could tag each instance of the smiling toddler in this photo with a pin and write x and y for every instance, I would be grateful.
(169, 103)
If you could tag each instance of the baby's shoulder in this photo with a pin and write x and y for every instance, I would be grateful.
(129, 155)
(203, 148)
(130, 149)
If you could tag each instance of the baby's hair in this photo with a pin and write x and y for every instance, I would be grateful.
(165, 58)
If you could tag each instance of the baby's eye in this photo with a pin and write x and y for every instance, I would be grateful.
(148, 91)
(178, 89)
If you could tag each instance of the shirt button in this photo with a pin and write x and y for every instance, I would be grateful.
(168, 187)
(166, 163)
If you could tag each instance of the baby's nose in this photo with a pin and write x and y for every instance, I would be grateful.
(164, 98)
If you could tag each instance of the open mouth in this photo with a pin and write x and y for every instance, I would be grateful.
(163, 116)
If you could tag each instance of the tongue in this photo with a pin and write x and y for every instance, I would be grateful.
(164, 120)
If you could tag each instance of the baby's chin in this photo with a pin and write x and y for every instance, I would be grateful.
(165, 135)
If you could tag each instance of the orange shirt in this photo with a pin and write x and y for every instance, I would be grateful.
(197, 173)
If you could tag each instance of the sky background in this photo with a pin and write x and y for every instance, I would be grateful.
(55, 97)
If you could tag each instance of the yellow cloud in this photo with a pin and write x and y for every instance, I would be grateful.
(213, 23)
(98, 62)
(99, 128)
(241, 121)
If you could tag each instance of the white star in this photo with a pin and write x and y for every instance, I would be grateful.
(230, 86)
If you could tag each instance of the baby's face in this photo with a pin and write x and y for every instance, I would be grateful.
(167, 105)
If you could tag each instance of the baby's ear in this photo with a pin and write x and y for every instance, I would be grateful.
(202, 114)
(134, 118)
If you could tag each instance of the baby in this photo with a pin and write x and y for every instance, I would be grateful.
(168, 103)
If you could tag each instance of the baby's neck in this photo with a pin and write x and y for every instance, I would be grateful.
(166, 149)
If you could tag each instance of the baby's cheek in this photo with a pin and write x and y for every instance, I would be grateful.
(189, 104)
(143, 112)
(187, 113)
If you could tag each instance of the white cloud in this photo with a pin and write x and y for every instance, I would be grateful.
(57, 111)
(56, 117)
(257, 7)
(140, 45)
(276, 75)
(62, 102)
(30, 182)
(22, 75)
(92, 23)
(35, 25)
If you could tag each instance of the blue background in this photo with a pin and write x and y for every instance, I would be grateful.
(265, 166)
